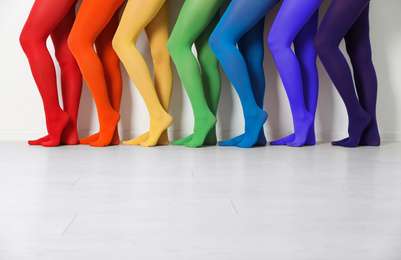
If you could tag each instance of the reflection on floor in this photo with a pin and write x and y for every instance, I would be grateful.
(210, 203)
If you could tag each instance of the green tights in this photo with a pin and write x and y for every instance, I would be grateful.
(201, 81)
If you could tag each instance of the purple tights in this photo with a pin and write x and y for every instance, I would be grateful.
(350, 20)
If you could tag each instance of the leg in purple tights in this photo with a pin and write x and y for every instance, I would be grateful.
(297, 22)
(360, 53)
(350, 20)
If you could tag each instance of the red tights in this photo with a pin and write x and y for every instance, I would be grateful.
(55, 19)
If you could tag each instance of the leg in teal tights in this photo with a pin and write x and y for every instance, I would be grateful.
(251, 46)
(239, 18)
(194, 18)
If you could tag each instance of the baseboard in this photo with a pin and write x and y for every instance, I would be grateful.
(322, 136)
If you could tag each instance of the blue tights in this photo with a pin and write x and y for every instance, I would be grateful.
(296, 22)
(298, 71)
(238, 19)
(251, 47)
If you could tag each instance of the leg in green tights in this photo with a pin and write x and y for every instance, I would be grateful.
(201, 81)
(209, 67)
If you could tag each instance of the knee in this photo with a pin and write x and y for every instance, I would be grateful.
(23, 40)
(77, 44)
(64, 56)
(160, 54)
(174, 46)
(207, 57)
(253, 56)
(277, 43)
(361, 54)
(73, 43)
(119, 45)
(217, 42)
(171, 45)
(322, 45)
(27, 39)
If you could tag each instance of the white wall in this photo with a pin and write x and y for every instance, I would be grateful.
(22, 117)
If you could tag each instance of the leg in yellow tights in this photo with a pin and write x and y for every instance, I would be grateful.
(153, 17)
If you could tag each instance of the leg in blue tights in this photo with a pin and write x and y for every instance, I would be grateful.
(350, 20)
(239, 18)
(296, 22)
(251, 47)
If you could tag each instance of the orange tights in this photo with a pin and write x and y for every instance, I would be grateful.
(96, 23)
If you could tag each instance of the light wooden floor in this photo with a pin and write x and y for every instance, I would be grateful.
(215, 203)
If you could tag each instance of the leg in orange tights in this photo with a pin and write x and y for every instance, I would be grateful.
(92, 19)
(48, 18)
(112, 73)
(153, 17)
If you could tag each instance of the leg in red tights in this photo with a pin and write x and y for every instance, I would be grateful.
(48, 18)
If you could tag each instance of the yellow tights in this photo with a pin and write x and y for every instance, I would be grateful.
(153, 16)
